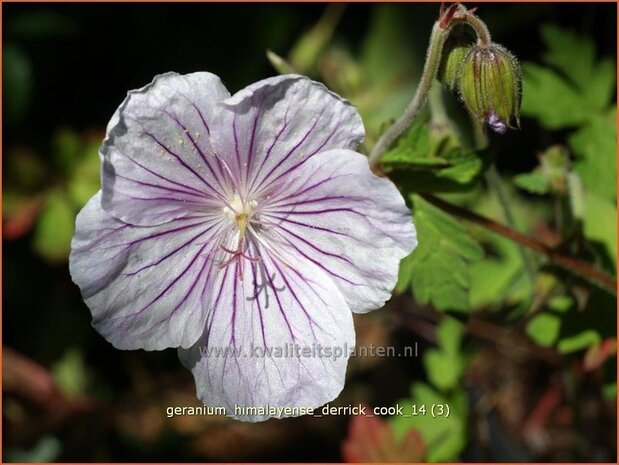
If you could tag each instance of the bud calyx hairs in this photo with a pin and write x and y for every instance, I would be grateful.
(489, 86)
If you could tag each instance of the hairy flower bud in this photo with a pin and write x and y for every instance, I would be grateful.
(489, 86)
(455, 49)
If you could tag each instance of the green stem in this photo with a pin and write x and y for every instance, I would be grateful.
(480, 28)
(494, 182)
(493, 179)
(480, 138)
(433, 59)
(438, 113)
(430, 68)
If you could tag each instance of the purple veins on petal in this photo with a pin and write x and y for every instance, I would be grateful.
(237, 222)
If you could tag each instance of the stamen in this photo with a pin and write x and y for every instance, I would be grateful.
(242, 254)
(240, 212)
(237, 254)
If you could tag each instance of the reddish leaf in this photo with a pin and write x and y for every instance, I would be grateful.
(371, 439)
(20, 221)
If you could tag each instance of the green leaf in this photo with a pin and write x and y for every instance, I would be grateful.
(412, 149)
(405, 274)
(444, 436)
(578, 341)
(544, 328)
(572, 54)
(575, 57)
(600, 223)
(54, 229)
(595, 146)
(431, 160)
(443, 369)
(465, 165)
(439, 268)
(551, 174)
(534, 183)
(446, 364)
(561, 304)
(577, 91)
(549, 98)
(498, 279)
(570, 329)
(449, 335)
(70, 373)
(85, 180)
(601, 85)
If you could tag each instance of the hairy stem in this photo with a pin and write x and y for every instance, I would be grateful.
(438, 112)
(440, 32)
(573, 265)
(480, 28)
(433, 59)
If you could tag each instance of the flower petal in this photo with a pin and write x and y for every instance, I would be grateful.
(158, 164)
(247, 355)
(273, 125)
(146, 287)
(350, 223)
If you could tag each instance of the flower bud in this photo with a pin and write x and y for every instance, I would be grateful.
(455, 49)
(489, 86)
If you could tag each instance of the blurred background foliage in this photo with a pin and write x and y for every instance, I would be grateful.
(522, 351)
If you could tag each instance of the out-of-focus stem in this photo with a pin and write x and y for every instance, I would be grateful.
(572, 265)
(494, 182)
(493, 179)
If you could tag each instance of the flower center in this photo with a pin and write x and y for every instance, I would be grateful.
(239, 212)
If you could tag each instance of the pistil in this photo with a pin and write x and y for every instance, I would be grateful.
(240, 211)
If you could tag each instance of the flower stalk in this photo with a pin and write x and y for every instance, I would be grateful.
(483, 34)
(455, 14)
(433, 59)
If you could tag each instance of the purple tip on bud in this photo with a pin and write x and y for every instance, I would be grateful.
(496, 123)
(489, 86)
